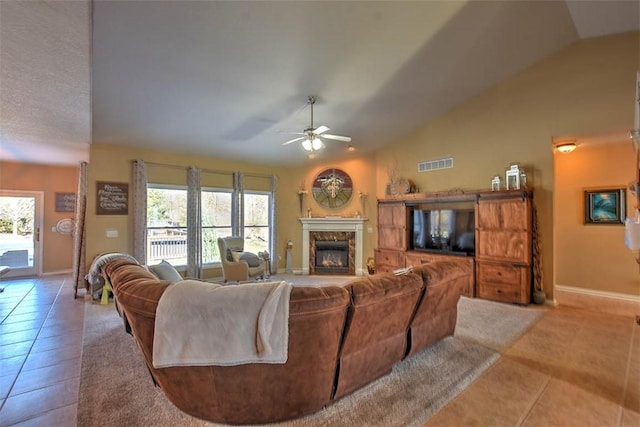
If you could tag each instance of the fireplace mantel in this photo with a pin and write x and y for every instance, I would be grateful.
(332, 224)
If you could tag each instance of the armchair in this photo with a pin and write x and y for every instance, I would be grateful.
(238, 265)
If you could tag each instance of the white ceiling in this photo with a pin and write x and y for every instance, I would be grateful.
(226, 79)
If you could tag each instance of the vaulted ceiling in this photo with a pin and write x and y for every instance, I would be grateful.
(229, 79)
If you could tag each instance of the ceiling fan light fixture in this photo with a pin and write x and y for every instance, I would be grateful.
(311, 136)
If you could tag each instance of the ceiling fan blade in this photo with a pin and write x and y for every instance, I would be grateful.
(294, 140)
(284, 132)
(337, 137)
(320, 130)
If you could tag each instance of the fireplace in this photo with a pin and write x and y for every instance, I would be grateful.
(340, 243)
(332, 252)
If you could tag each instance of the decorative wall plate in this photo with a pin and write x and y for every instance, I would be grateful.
(332, 188)
(66, 226)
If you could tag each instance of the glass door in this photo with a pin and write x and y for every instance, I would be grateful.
(20, 225)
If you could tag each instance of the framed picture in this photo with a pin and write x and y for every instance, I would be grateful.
(65, 202)
(605, 206)
(112, 198)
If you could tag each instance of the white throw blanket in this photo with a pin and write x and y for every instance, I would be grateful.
(199, 323)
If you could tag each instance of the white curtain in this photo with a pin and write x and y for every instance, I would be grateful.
(194, 220)
(79, 244)
(237, 204)
(272, 220)
(140, 211)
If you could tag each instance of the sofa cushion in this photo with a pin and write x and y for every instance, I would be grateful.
(165, 271)
(376, 331)
(252, 259)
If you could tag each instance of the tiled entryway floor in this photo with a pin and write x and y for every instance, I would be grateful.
(40, 351)
(572, 368)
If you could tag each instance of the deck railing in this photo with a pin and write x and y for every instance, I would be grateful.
(167, 247)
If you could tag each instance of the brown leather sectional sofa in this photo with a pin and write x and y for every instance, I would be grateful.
(340, 339)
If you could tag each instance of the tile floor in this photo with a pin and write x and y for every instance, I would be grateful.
(40, 352)
(573, 368)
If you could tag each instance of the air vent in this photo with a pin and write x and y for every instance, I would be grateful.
(433, 165)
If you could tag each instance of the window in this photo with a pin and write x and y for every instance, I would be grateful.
(216, 222)
(167, 225)
(167, 222)
(256, 222)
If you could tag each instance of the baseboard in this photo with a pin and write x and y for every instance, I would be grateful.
(600, 301)
(297, 271)
(57, 273)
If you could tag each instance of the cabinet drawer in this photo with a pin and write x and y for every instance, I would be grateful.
(503, 282)
(387, 260)
(499, 273)
(414, 259)
(498, 291)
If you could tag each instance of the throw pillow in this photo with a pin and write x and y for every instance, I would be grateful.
(252, 259)
(165, 271)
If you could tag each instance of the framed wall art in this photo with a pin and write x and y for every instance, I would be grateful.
(606, 206)
(112, 198)
(65, 202)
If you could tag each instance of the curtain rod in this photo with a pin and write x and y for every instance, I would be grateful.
(166, 165)
(207, 170)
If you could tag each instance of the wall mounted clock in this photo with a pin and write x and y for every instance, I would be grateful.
(332, 188)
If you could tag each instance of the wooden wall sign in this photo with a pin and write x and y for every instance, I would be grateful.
(65, 202)
(112, 198)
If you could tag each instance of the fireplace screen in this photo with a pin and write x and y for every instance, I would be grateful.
(332, 256)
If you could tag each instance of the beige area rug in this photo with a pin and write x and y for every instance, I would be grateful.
(116, 388)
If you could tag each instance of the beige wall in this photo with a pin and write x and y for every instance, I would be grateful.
(114, 163)
(585, 89)
(593, 256)
(361, 169)
(57, 248)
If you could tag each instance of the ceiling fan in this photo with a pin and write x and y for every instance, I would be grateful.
(312, 137)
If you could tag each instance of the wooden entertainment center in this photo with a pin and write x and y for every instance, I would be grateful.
(501, 256)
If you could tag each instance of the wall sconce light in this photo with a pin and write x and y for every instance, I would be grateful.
(566, 147)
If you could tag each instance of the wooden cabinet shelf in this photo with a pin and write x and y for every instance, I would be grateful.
(504, 246)
(503, 241)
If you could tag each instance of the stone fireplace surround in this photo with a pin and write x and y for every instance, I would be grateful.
(328, 229)
(332, 236)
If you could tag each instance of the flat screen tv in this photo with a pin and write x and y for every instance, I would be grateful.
(445, 230)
